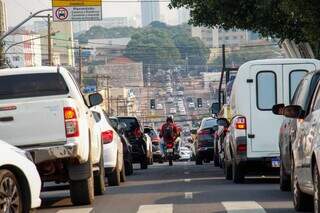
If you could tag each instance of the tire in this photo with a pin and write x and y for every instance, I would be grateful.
(220, 163)
(216, 161)
(82, 191)
(144, 163)
(99, 177)
(123, 174)
(285, 183)
(301, 201)
(316, 185)
(129, 168)
(8, 179)
(114, 178)
(228, 171)
(198, 161)
(237, 172)
(170, 160)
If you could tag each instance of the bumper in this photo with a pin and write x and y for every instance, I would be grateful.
(42, 154)
(110, 155)
(206, 153)
(260, 166)
(34, 181)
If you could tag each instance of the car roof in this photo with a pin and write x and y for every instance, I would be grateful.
(30, 70)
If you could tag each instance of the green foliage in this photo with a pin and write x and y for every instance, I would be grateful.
(292, 19)
(98, 32)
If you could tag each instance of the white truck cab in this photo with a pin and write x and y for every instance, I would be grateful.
(252, 141)
(43, 112)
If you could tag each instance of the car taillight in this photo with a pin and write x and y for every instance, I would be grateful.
(241, 123)
(169, 145)
(71, 122)
(241, 148)
(137, 133)
(107, 137)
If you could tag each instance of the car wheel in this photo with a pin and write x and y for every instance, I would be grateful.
(99, 177)
(198, 160)
(11, 194)
(114, 178)
(144, 162)
(129, 168)
(301, 201)
(82, 191)
(237, 172)
(216, 160)
(123, 173)
(228, 171)
(316, 185)
(285, 184)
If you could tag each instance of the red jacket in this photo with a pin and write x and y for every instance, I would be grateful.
(175, 132)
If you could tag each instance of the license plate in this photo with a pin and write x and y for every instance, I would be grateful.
(169, 150)
(275, 163)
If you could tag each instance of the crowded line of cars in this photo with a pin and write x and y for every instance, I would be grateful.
(51, 132)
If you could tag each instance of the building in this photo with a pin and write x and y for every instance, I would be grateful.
(216, 37)
(3, 17)
(62, 42)
(183, 16)
(150, 11)
(27, 52)
(123, 72)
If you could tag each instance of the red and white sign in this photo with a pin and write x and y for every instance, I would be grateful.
(84, 13)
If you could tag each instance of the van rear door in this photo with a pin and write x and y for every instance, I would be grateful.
(265, 91)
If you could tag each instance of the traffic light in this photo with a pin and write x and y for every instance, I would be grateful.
(199, 101)
(152, 103)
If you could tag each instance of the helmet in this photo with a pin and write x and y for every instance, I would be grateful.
(170, 118)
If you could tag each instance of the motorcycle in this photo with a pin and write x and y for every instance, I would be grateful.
(170, 153)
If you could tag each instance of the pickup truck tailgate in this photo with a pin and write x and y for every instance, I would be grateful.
(33, 122)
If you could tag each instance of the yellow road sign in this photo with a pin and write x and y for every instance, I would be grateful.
(76, 3)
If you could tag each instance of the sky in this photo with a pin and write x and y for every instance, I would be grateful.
(17, 10)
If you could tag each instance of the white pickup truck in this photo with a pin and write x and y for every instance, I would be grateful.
(43, 111)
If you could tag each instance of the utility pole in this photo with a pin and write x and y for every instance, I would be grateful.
(80, 67)
(222, 74)
(49, 41)
(97, 83)
(108, 89)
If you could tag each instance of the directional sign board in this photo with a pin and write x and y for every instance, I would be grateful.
(77, 10)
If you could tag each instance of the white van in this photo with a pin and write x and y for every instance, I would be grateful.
(252, 141)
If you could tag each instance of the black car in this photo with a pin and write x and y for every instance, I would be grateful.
(302, 97)
(127, 147)
(204, 142)
(135, 134)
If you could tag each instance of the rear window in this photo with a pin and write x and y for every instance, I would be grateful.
(131, 123)
(209, 123)
(32, 85)
(266, 90)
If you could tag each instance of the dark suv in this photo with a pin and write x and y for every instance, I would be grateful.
(134, 133)
(204, 143)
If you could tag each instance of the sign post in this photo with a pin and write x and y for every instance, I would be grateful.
(76, 10)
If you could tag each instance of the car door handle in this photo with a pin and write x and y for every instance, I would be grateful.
(6, 119)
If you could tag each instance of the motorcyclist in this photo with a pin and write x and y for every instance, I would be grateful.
(169, 131)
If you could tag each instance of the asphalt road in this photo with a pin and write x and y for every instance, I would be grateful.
(183, 188)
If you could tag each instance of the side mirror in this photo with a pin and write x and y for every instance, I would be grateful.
(278, 109)
(215, 108)
(146, 131)
(294, 111)
(95, 99)
(223, 122)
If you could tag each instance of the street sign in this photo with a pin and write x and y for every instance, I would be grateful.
(77, 10)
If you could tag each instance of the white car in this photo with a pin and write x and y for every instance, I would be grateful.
(173, 111)
(159, 107)
(112, 148)
(20, 183)
(149, 149)
(185, 153)
(180, 93)
(192, 105)
(170, 100)
(46, 113)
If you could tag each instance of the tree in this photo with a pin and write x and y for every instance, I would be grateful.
(284, 19)
(153, 46)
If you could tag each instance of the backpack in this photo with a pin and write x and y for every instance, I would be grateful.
(168, 132)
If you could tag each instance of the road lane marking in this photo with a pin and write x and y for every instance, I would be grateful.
(78, 210)
(243, 207)
(186, 173)
(187, 180)
(165, 208)
(188, 195)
